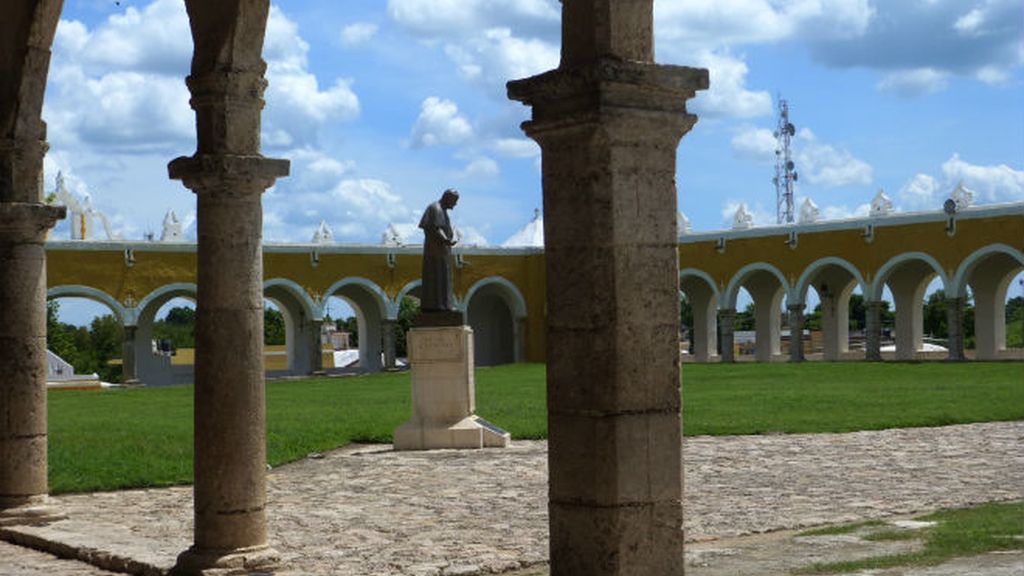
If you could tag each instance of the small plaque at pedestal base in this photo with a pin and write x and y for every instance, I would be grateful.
(443, 394)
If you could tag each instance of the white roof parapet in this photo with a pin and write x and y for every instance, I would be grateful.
(391, 236)
(881, 205)
(172, 228)
(529, 236)
(742, 220)
(963, 196)
(809, 212)
(683, 224)
(323, 234)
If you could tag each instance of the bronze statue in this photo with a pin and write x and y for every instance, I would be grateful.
(437, 292)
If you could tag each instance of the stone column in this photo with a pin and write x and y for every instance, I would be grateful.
(129, 375)
(316, 360)
(955, 321)
(388, 327)
(796, 332)
(873, 330)
(727, 326)
(23, 422)
(228, 176)
(608, 122)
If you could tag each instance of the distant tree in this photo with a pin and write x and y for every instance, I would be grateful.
(178, 326)
(408, 309)
(685, 312)
(1015, 322)
(350, 325)
(936, 319)
(812, 321)
(858, 312)
(745, 319)
(106, 337)
(273, 327)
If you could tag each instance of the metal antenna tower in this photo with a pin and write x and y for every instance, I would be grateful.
(785, 170)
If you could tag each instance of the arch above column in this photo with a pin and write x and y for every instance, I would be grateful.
(312, 308)
(878, 283)
(728, 299)
(804, 282)
(379, 297)
(127, 315)
(513, 297)
(959, 280)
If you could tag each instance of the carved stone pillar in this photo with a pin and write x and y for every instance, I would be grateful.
(873, 331)
(388, 327)
(608, 122)
(228, 176)
(796, 332)
(727, 327)
(129, 375)
(23, 422)
(955, 321)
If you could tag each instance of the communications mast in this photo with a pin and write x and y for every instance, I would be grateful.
(785, 170)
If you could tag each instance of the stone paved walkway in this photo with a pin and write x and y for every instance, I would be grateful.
(368, 510)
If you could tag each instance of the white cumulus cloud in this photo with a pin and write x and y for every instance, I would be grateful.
(914, 82)
(825, 165)
(756, 144)
(440, 123)
(922, 192)
(728, 94)
(999, 183)
(358, 33)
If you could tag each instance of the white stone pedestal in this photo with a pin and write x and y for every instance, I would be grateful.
(443, 394)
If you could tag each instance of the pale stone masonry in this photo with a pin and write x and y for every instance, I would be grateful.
(26, 33)
(608, 122)
(368, 510)
(228, 175)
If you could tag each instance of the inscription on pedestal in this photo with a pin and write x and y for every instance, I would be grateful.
(430, 346)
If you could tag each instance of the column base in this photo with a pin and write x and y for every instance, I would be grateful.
(254, 560)
(33, 511)
(472, 432)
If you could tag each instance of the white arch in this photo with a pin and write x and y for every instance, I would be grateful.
(517, 301)
(312, 309)
(878, 284)
(124, 313)
(959, 282)
(381, 299)
(731, 292)
(177, 287)
(703, 276)
(395, 305)
(800, 290)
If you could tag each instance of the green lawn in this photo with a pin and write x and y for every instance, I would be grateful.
(961, 532)
(143, 437)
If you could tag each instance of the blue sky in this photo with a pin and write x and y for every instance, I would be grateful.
(381, 104)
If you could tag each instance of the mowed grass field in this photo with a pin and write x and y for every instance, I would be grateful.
(143, 437)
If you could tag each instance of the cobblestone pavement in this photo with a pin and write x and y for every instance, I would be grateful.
(369, 510)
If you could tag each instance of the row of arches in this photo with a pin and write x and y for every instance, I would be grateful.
(495, 309)
(985, 275)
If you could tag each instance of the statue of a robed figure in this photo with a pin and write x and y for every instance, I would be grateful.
(441, 353)
(437, 297)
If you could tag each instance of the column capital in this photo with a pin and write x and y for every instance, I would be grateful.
(27, 223)
(797, 307)
(588, 94)
(227, 174)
